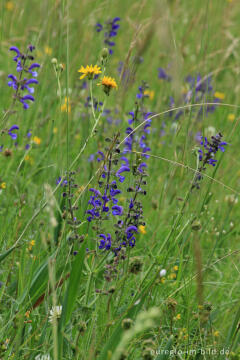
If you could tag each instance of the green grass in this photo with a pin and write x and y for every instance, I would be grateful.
(197, 306)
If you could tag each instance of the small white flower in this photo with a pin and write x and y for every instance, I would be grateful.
(210, 131)
(231, 224)
(163, 272)
(55, 312)
(43, 357)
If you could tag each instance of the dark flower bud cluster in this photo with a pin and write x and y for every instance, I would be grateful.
(110, 29)
(207, 155)
(96, 105)
(139, 142)
(69, 210)
(26, 76)
(111, 270)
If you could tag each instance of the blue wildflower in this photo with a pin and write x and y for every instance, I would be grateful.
(163, 75)
(122, 169)
(16, 82)
(110, 29)
(117, 210)
(10, 132)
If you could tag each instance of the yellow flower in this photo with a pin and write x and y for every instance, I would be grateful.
(9, 5)
(89, 71)
(231, 117)
(219, 95)
(216, 333)
(163, 280)
(3, 185)
(66, 106)
(48, 50)
(149, 93)
(178, 317)
(37, 140)
(55, 130)
(30, 159)
(172, 276)
(142, 229)
(108, 82)
(27, 314)
(31, 244)
(175, 268)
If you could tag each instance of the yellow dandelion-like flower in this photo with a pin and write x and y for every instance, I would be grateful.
(48, 50)
(9, 5)
(216, 333)
(37, 140)
(142, 229)
(175, 268)
(31, 244)
(178, 317)
(29, 159)
(66, 106)
(89, 71)
(55, 130)
(108, 82)
(231, 117)
(3, 185)
(219, 95)
(163, 280)
(149, 93)
(172, 276)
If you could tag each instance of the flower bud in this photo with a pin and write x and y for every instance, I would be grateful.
(104, 53)
(196, 225)
(127, 324)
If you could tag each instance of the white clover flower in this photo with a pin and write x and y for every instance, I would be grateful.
(163, 273)
(55, 312)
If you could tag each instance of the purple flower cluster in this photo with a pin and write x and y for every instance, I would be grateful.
(210, 148)
(207, 155)
(137, 116)
(25, 66)
(110, 29)
(104, 203)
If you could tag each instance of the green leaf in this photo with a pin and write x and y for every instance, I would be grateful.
(71, 293)
(166, 352)
(233, 330)
(115, 338)
(6, 253)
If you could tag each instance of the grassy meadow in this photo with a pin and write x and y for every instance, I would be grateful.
(119, 212)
